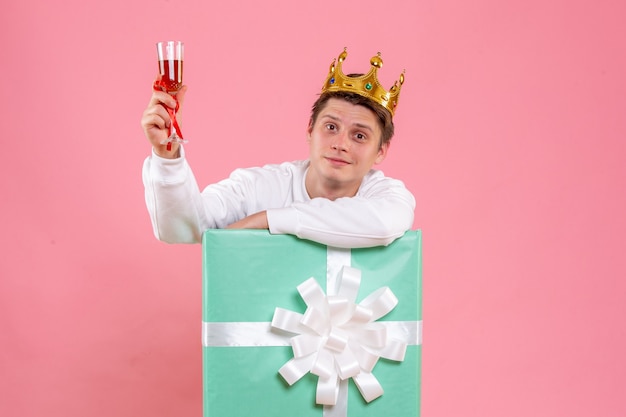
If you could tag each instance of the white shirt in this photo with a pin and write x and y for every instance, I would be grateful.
(380, 212)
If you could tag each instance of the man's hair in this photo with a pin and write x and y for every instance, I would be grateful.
(384, 117)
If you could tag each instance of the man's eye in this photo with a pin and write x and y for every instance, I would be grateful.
(360, 136)
(330, 126)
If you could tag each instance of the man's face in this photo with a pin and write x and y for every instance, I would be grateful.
(344, 144)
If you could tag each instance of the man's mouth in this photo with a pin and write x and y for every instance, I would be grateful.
(337, 161)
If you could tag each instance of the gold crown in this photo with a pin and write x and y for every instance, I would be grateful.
(365, 85)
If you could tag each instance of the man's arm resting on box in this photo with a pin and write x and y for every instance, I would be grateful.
(254, 221)
(351, 222)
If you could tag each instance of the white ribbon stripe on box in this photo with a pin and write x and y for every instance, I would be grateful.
(335, 339)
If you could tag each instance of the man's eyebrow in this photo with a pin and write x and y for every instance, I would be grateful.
(337, 119)
(364, 126)
(330, 116)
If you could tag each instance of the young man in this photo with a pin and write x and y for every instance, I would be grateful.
(334, 198)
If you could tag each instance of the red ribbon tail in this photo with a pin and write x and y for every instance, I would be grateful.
(175, 122)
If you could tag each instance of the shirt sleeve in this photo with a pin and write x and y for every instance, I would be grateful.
(173, 199)
(180, 212)
(381, 212)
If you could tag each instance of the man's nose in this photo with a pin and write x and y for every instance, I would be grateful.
(341, 142)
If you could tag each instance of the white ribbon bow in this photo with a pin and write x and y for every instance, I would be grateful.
(338, 339)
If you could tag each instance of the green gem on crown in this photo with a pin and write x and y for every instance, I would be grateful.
(368, 86)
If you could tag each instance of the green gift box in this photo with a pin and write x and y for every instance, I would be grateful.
(248, 274)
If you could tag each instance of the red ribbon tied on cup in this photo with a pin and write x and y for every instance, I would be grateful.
(339, 339)
(160, 85)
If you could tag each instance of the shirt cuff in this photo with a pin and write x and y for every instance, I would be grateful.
(168, 170)
(282, 221)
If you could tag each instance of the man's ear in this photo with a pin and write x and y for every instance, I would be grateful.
(382, 152)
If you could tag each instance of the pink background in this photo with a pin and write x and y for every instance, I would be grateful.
(510, 132)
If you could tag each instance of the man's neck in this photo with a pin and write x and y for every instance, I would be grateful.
(328, 190)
